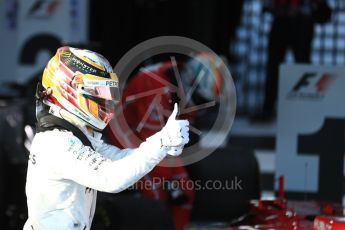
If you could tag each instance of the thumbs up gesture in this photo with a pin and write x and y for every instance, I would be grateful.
(175, 134)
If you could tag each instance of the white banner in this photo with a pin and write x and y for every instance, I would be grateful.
(31, 30)
(42, 25)
(310, 139)
(8, 38)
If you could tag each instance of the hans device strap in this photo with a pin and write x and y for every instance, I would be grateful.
(46, 121)
(50, 122)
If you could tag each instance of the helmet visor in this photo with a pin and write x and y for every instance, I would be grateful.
(102, 92)
(97, 87)
(107, 105)
(100, 108)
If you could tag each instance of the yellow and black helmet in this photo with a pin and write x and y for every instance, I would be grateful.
(83, 83)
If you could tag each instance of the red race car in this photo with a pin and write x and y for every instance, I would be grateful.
(280, 214)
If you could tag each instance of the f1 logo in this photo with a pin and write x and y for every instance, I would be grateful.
(320, 85)
(304, 81)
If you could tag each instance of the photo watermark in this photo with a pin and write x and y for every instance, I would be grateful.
(234, 184)
(224, 102)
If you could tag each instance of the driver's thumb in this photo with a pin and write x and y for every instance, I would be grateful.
(174, 113)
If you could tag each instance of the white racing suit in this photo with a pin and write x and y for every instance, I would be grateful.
(62, 171)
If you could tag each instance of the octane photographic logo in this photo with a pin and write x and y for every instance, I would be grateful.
(225, 105)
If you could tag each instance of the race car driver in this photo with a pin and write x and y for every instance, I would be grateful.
(68, 160)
